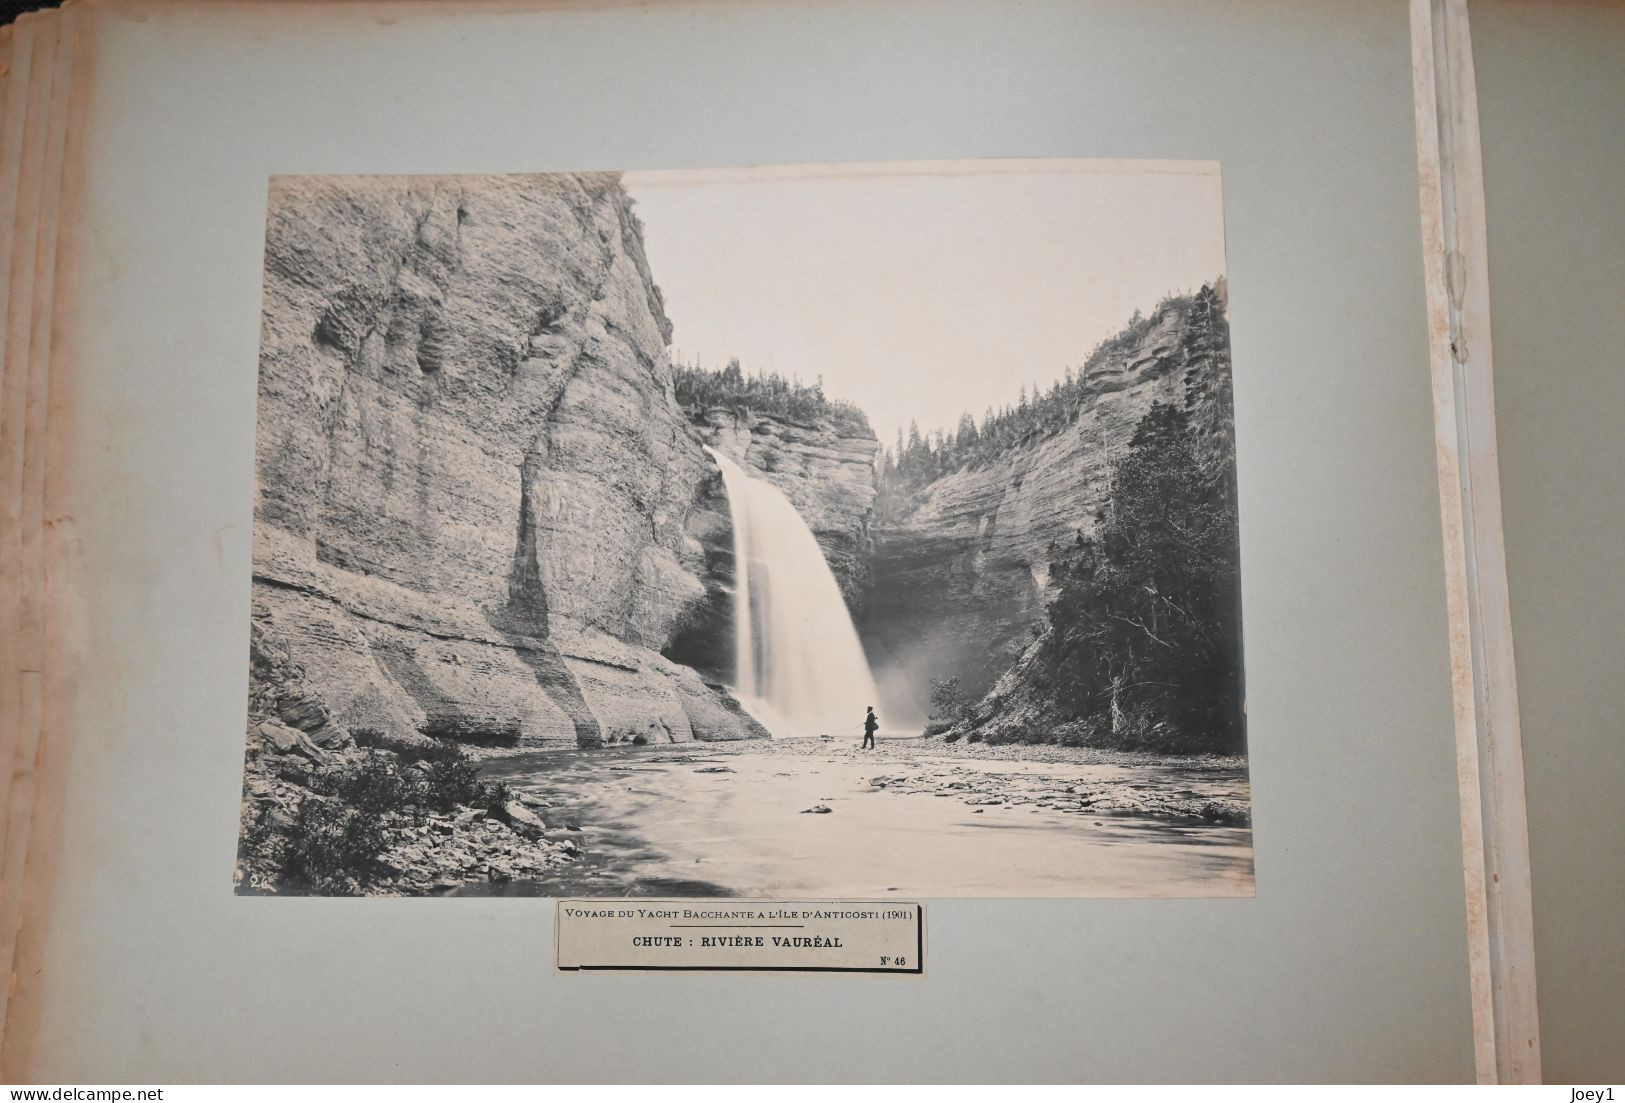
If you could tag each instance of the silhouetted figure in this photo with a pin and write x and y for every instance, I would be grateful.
(870, 723)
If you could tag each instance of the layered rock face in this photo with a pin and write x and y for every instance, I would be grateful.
(828, 475)
(480, 512)
(959, 584)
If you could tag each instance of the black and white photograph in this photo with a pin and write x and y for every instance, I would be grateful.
(854, 531)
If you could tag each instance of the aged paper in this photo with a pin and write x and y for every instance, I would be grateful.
(841, 936)
(598, 552)
(141, 963)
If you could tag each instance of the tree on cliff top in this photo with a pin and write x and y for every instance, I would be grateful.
(1037, 413)
(766, 393)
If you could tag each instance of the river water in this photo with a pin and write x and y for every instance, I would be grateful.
(697, 820)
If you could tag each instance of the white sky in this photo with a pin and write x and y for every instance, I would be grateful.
(922, 290)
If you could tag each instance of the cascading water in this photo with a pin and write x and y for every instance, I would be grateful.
(799, 668)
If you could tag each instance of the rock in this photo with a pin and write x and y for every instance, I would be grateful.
(306, 712)
(292, 768)
(825, 469)
(279, 736)
(520, 818)
(967, 567)
(292, 741)
(496, 533)
(819, 809)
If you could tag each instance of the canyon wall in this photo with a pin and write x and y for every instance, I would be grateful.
(959, 582)
(480, 512)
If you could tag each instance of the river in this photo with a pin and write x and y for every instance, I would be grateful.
(719, 820)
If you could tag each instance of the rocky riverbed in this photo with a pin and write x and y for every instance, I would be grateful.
(310, 827)
(781, 818)
(813, 818)
(1212, 789)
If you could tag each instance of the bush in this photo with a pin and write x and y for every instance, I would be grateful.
(442, 779)
(948, 702)
(332, 848)
(494, 794)
(1080, 733)
(258, 836)
(373, 786)
(369, 737)
(974, 737)
(450, 778)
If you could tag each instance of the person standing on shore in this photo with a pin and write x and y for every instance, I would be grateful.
(870, 723)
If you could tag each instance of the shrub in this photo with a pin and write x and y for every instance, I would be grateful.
(974, 737)
(258, 837)
(450, 778)
(443, 778)
(948, 702)
(332, 848)
(494, 795)
(373, 786)
(639, 741)
(369, 737)
(1080, 733)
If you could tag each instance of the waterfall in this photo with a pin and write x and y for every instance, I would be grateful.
(798, 665)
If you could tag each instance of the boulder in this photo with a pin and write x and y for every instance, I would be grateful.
(280, 738)
(520, 818)
(306, 712)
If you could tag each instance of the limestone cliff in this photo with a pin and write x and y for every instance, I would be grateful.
(480, 511)
(960, 579)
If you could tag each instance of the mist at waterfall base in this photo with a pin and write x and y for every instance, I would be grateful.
(799, 667)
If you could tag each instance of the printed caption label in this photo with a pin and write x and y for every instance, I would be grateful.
(836, 936)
